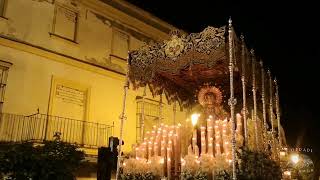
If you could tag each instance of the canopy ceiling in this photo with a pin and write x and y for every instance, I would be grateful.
(179, 66)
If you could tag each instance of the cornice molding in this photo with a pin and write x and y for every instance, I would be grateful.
(129, 16)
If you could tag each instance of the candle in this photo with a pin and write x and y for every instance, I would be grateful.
(224, 136)
(149, 150)
(157, 144)
(162, 154)
(194, 139)
(164, 148)
(213, 174)
(217, 137)
(196, 151)
(155, 148)
(169, 157)
(137, 152)
(153, 135)
(239, 125)
(210, 146)
(177, 154)
(203, 140)
(210, 135)
(190, 151)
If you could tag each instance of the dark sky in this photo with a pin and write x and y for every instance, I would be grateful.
(285, 36)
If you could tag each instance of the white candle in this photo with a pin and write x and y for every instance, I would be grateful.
(196, 151)
(164, 149)
(239, 125)
(144, 150)
(217, 137)
(177, 148)
(149, 150)
(203, 140)
(169, 157)
(224, 136)
(210, 135)
(155, 149)
(194, 139)
(137, 152)
(210, 146)
(190, 151)
(157, 144)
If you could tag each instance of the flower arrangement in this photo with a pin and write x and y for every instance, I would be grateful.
(133, 168)
(205, 167)
(190, 164)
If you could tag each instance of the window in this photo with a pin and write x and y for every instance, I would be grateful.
(65, 23)
(4, 68)
(151, 113)
(120, 44)
(2, 7)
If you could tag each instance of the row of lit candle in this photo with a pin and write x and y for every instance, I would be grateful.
(165, 142)
(220, 135)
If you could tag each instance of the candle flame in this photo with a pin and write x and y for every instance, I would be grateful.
(161, 161)
(194, 118)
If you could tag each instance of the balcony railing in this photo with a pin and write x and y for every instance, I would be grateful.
(40, 127)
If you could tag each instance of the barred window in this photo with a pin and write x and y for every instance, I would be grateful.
(65, 23)
(120, 44)
(2, 7)
(151, 112)
(4, 68)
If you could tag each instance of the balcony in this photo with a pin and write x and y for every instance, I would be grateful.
(40, 127)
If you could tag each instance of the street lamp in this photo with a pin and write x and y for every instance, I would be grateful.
(295, 158)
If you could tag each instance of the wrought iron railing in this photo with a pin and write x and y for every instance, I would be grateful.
(40, 127)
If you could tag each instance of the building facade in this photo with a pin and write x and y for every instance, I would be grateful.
(63, 65)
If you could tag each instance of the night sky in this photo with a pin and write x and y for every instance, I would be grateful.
(285, 36)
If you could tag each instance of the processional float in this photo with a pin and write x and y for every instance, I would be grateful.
(215, 69)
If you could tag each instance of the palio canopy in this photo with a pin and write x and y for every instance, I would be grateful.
(179, 66)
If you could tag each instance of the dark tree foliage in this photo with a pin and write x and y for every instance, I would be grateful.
(52, 160)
